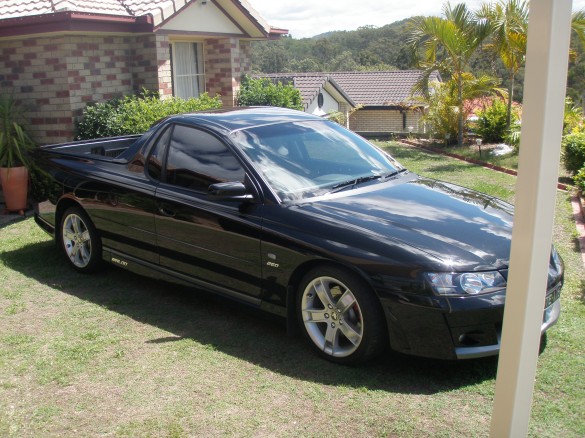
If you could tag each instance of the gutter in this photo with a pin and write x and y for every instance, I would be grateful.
(68, 21)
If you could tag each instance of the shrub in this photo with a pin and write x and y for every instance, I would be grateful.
(574, 152)
(579, 179)
(264, 92)
(491, 123)
(337, 117)
(135, 114)
(512, 137)
(442, 114)
(573, 118)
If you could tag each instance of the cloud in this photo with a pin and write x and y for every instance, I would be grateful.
(306, 18)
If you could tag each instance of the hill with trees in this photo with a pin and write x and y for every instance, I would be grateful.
(387, 48)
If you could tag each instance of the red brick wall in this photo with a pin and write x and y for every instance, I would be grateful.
(55, 77)
(225, 62)
(145, 51)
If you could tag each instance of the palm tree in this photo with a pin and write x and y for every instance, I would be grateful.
(447, 45)
(443, 111)
(508, 23)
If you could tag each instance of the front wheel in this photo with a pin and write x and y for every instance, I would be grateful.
(340, 316)
(80, 241)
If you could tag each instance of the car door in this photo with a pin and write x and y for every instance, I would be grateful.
(123, 211)
(217, 243)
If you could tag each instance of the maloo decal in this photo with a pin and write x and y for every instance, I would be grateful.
(119, 262)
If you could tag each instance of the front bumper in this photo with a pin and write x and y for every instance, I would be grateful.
(550, 317)
(455, 328)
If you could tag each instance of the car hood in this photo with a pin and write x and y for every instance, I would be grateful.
(457, 227)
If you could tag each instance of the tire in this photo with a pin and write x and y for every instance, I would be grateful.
(80, 241)
(348, 333)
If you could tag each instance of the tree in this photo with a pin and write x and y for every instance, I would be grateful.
(263, 91)
(343, 62)
(508, 24)
(305, 65)
(447, 45)
(274, 59)
(443, 112)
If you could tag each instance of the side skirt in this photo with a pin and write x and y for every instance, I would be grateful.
(142, 267)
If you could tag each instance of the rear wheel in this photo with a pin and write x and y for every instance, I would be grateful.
(80, 241)
(340, 316)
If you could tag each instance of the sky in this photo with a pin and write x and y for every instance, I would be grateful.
(306, 18)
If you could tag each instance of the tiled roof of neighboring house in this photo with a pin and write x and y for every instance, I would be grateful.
(160, 10)
(368, 88)
(309, 87)
(380, 88)
(474, 106)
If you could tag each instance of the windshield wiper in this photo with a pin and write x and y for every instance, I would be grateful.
(354, 182)
(396, 172)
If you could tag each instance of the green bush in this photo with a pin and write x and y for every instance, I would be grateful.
(574, 152)
(491, 123)
(135, 114)
(512, 137)
(579, 179)
(573, 118)
(264, 92)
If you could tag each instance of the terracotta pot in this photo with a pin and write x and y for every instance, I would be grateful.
(14, 187)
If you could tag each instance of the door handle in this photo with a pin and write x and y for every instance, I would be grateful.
(166, 212)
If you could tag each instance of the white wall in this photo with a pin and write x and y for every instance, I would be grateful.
(329, 104)
(203, 18)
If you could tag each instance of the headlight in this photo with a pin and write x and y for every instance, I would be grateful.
(465, 283)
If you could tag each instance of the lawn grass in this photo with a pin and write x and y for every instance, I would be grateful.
(508, 161)
(119, 355)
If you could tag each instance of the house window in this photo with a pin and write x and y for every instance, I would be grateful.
(188, 72)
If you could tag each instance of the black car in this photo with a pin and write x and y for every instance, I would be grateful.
(298, 216)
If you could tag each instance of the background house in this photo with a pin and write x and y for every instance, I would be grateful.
(56, 56)
(385, 99)
(320, 93)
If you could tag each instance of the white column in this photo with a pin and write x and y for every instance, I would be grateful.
(544, 93)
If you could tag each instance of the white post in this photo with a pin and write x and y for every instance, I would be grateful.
(544, 93)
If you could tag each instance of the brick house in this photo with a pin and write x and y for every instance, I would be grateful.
(387, 105)
(56, 56)
(384, 98)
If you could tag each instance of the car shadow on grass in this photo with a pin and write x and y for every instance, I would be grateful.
(236, 330)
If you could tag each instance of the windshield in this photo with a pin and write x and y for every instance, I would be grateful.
(305, 159)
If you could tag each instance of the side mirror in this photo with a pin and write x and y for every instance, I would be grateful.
(230, 192)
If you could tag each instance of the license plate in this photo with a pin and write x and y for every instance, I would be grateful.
(553, 295)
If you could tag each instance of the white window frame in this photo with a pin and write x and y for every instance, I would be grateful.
(188, 69)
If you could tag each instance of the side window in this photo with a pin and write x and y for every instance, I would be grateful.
(197, 159)
(155, 160)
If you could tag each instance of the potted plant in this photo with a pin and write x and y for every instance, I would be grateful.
(15, 144)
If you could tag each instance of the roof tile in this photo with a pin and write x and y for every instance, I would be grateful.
(369, 88)
(379, 88)
(159, 9)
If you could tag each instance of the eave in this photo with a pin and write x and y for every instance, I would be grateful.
(74, 22)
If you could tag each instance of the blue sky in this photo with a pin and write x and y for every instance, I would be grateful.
(306, 18)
